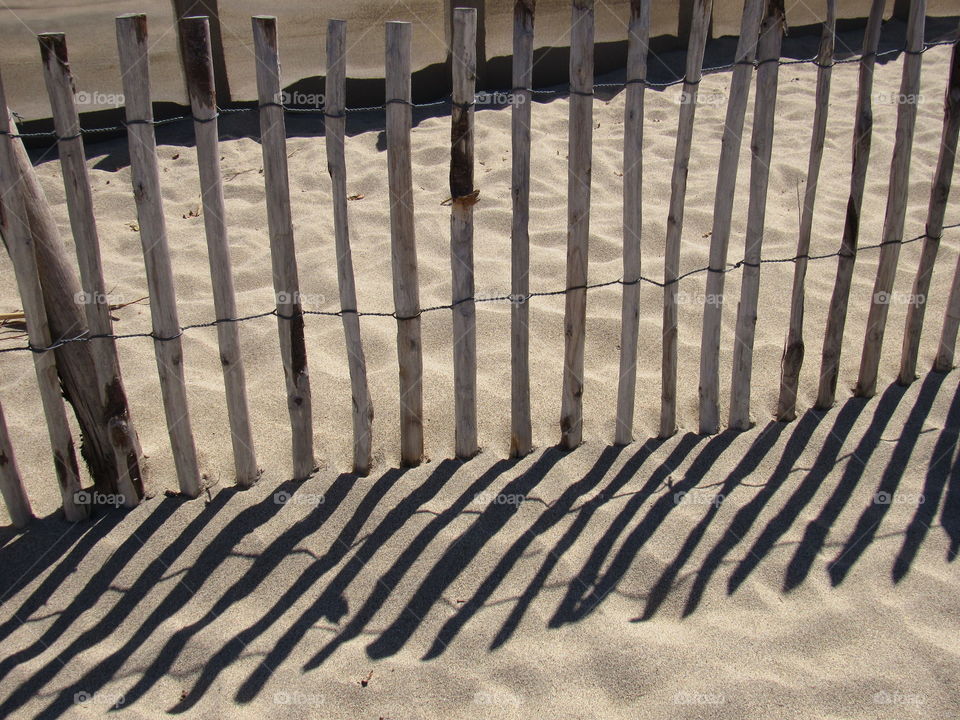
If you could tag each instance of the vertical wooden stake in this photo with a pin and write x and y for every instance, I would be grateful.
(521, 433)
(794, 348)
(406, 287)
(20, 246)
(951, 323)
(638, 34)
(11, 484)
(862, 136)
(464, 64)
(335, 131)
(578, 220)
(145, 175)
(198, 69)
(96, 304)
(723, 213)
(761, 144)
(702, 12)
(286, 281)
(896, 203)
(939, 194)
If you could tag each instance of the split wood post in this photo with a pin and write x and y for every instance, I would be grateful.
(896, 203)
(20, 247)
(335, 122)
(521, 432)
(406, 287)
(951, 323)
(145, 176)
(794, 348)
(11, 484)
(939, 194)
(198, 69)
(286, 281)
(722, 214)
(702, 12)
(580, 147)
(761, 145)
(638, 34)
(96, 304)
(862, 136)
(61, 287)
(462, 198)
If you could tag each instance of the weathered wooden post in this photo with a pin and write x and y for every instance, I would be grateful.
(406, 286)
(580, 148)
(96, 304)
(461, 231)
(723, 213)
(11, 484)
(20, 246)
(521, 433)
(286, 281)
(145, 176)
(896, 203)
(211, 10)
(638, 34)
(794, 348)
(702, 12)
(761, 145)
(198, 66)
(862, 136)
(335, 122)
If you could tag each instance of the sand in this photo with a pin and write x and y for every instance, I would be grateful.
(761, 574)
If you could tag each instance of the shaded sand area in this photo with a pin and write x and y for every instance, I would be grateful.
(600, 583)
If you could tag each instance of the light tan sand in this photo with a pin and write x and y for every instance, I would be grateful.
(587, 578)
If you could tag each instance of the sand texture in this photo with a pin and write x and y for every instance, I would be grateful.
(800, 570)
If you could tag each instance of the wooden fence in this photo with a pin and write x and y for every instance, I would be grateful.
(758, 49)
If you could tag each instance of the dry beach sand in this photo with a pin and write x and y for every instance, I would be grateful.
(802, 570)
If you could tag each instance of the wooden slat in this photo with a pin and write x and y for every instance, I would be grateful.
(11, 483)
(794, 348)
(638, 33)
(145, 176)
(939, 194)
(578, 219)
(406, 287)
(521, 433)
(122, 435)
(286, 281)
(198, 69)
(20, 247)
(702, 12)
(862, 136)
(464, 64)
(761, 145)
(723, 213)
(896, 204)
(335, 131)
